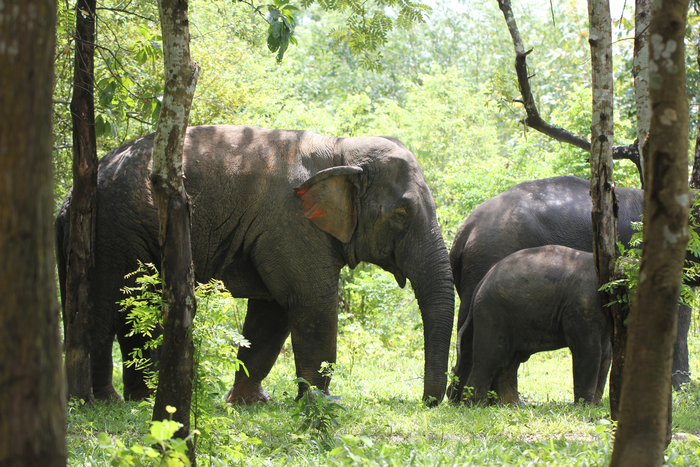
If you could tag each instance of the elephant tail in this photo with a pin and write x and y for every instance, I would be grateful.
(457, 252)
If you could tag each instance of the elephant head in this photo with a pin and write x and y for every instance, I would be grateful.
(380, 209)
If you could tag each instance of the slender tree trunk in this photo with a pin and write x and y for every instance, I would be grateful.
(695, 175)
(177, 270)
(32, 393)
(602, 184)
(641, 435)
(640, 71)
(81, 258)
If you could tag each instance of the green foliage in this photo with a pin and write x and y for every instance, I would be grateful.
(216, 334)
(158, 448)
(630, 259)
(361, 450)
(143, 308)
(367, 26)
(317, 411)
(216, 338)
(280, 17)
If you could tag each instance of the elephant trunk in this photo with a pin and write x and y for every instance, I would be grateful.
(428, 269)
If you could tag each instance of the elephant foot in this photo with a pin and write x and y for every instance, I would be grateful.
(509, 400)
(246, 393)
(454, 395)
(107, 394)
(680, 379)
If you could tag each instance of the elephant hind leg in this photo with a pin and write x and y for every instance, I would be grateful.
(605, 361)
(266, 327)
(101, 366)
(488, 362)
(587, 358)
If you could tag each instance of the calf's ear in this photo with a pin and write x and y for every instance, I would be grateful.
(329, 200)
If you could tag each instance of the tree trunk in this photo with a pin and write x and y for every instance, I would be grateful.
(177, 269)
(81, 258)
(641, 435)
(602, 184)
(32, 395)
(695, 174)
(640, 71)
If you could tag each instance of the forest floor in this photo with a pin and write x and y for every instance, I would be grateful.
(379, 419)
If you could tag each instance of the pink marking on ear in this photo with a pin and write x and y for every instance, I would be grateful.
(317, 213)
(301, 191)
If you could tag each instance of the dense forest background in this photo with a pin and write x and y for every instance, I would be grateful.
(445, 88)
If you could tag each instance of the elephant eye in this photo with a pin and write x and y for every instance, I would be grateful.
(399, 217)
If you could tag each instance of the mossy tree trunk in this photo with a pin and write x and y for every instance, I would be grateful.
(32, 394)
(174, 210)
(642, 426)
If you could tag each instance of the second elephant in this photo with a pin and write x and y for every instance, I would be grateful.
(550, 211)
(536, 300)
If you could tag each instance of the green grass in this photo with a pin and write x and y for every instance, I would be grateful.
(386, 424)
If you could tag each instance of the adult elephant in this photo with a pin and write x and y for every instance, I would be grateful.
(550, 211)
(277, 214)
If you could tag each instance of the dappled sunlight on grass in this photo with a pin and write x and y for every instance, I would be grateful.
(379, 387)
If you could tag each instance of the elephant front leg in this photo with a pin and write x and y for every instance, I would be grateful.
(314, 339)
(266, 327)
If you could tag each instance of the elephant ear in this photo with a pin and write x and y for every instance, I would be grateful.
(329, 200)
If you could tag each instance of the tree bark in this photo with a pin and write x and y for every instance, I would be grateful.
(177, 269)
(32, 393)
(604, 211)
(83, 208)
(641, 435)
(695, 174)
(640, 71)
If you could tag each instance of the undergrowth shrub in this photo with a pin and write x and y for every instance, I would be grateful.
(317, 411)
(158, 448)
(216, 339)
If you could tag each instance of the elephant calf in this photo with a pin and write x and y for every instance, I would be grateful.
(535, 300)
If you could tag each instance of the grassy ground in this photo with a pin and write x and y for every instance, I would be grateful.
(382, 421)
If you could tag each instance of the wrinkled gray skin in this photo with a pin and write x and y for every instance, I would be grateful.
(535, 300)
(276, 215)
(551, 211)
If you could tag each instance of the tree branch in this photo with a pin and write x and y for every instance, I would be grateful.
(533, 119)
(127, 12)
